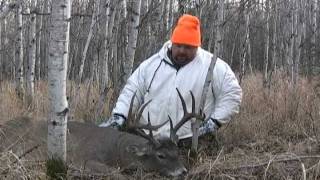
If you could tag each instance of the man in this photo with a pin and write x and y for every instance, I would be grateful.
(181, 64)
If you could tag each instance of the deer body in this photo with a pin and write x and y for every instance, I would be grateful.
(94, 148)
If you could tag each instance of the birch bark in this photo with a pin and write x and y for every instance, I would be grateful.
(314, 7)
(94, 19)
(134, 17)
(266, 47)
(219, 29)
(38, 44)
(19, 54)
(31, 53)
(57, 73)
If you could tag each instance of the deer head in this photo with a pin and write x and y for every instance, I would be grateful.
(161, 155)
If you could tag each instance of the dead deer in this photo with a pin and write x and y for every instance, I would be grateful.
(95, 148)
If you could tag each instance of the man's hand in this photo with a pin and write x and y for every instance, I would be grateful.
(209, 126)
(115, 121)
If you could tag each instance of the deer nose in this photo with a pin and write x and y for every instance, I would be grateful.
(184, 171)
(178, 172)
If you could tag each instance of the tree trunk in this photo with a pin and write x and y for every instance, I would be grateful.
(31, 54)
(134, 16)
(245, 46)
(45, 40)
(273, 53)
(219, 30)
(38, 44)
(170, 16)
(57, 75)
(292, 42)
(104, 77)
(298, 43)
(266, 47)
(94, 18)
(314, 7)
(19, 54)
(104, 71)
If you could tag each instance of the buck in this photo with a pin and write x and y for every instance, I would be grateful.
(95, 148)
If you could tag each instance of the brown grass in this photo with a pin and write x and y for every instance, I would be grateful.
(275, 136)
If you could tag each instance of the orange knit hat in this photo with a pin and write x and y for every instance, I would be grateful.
(187, 31)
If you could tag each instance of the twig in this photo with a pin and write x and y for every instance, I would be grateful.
(228, 176)
(298, 158)
(17, 158)
(265, 172)
(214, 162)
(28, 151)
(304, 174)
(19, 138)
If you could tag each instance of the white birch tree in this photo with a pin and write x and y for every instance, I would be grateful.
(314, 10)
(246, 45)
(134, 17)
(39, 20)
(94, 19)
(57, 77)
(273, 56)
(19, 54)
(219, 29)
(31, 53)
(293, 41)
(298, 44)
(266, 46)
(104, 71)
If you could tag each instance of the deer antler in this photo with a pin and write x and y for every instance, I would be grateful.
(186, 116)
(133, 125)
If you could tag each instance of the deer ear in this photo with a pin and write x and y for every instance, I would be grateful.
(139, 151)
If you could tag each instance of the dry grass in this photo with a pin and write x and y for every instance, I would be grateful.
(275, 136)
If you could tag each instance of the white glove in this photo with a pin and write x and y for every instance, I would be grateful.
(115, 121)
(209, 126)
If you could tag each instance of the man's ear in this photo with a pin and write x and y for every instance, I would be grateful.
(139, 151)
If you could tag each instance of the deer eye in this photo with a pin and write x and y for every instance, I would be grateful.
(161, 156)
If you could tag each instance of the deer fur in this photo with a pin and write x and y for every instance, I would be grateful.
(93, 148)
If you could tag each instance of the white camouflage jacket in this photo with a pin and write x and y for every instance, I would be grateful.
(156, 78)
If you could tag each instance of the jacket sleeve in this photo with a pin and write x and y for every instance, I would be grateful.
(135, 83)
(227, 93)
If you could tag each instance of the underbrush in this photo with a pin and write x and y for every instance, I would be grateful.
(275, 135)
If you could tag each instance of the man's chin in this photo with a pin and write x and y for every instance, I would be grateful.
(182, 62)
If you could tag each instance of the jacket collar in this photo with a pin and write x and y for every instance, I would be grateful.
(163, 53)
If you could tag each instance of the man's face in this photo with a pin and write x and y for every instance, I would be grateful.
(182, 54)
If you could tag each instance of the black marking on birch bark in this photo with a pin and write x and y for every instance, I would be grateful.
(54, 123)
(63, 113)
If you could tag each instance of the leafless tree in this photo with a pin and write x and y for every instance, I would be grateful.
(58, 58)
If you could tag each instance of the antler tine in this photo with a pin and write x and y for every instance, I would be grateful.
(141, 110)
(150, 128)
(173, 135)
(147, 137)
(149, 124)
(193, 102)
(171, 124)
(184, 106)
(187, 115)
(136, 125)
(130, 115)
